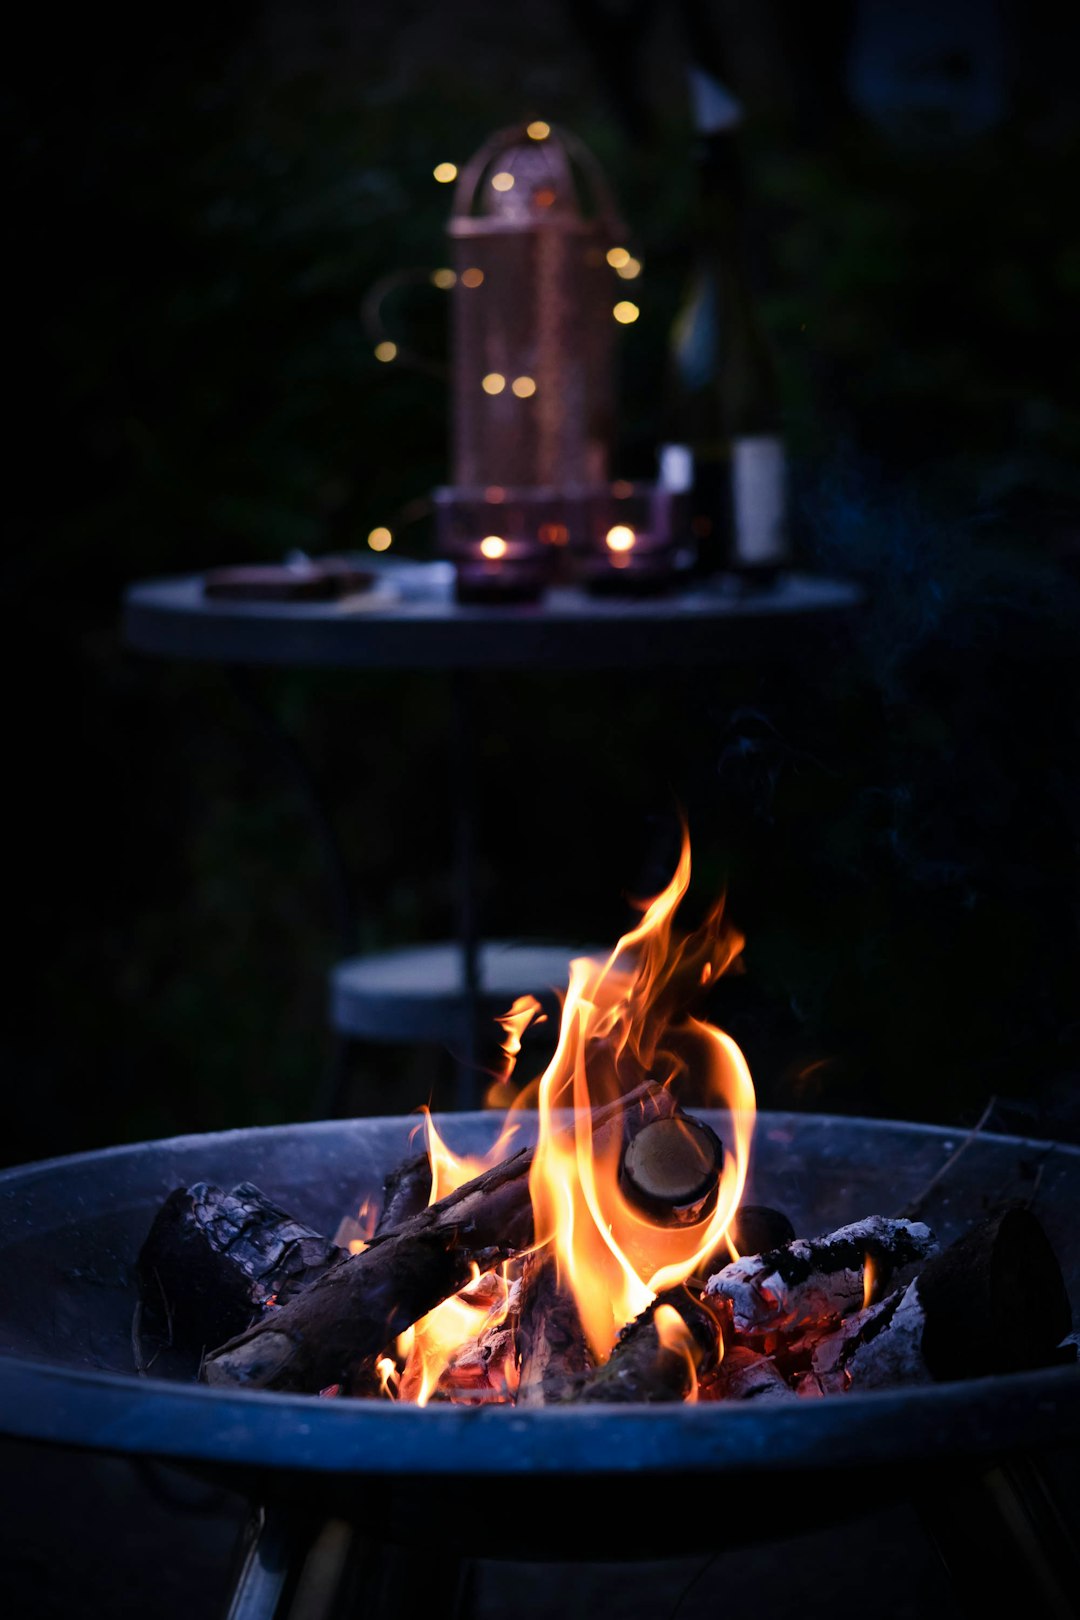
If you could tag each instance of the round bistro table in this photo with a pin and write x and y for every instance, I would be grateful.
(407, 618)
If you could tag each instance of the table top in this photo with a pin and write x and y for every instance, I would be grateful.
(408, 619)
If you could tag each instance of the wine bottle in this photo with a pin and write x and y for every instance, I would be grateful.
(723, 405)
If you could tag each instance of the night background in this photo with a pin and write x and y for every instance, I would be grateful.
(201, 201)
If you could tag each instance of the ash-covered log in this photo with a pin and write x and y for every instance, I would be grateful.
(649, 1361)
(994, 1301)
(361, 1305)
(213, 1259)
(810, 1281)
(553, 1356)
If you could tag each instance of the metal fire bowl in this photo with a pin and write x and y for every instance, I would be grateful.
(499, 1481)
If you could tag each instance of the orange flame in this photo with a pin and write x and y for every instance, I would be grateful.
(869, 1278)
(622, 1021)
(676, 1337)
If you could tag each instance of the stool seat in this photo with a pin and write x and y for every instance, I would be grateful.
(417, 993)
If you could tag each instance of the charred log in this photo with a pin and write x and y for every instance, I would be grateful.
(650, 1364)
(359, 1306)
(810, 1281)
(553, 1357)
(212, 1260)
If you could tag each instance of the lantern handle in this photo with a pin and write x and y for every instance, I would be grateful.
(371, 314)
(465, 192)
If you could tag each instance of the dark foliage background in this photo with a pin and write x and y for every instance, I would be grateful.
(200, 202)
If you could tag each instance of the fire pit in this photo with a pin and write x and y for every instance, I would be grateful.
(70, 1231)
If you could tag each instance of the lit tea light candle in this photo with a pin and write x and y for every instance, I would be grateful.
(627, 548)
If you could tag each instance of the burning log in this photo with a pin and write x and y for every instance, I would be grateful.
(671, 1170)
(553, 1357)
(484, 1368)
(808, 1281)
(357, 1307)
(658, 1356)
(212, 1260)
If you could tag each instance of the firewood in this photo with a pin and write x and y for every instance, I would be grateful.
(805, 1281)
(671, 1170)
(213, 1259)
(994, 1301)
(642, 1367)
(553, 1357)
(362, 1304)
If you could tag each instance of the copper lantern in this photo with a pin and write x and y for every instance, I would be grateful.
(532, 359)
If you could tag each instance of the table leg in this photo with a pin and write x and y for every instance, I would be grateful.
(331, 1094)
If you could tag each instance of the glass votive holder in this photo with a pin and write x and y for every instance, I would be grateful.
(628, 543)
(493, 538)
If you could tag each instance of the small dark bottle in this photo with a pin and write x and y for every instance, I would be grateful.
(723, 406)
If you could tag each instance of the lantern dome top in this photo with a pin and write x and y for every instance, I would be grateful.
(533, 176)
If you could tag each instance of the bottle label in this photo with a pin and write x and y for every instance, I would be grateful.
(758, 499)
(676, 468)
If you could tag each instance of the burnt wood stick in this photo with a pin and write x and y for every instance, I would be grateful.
(358, 1307)
(553, 1356)
(212, 1259)
(642, 1368)
(796, 1286)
